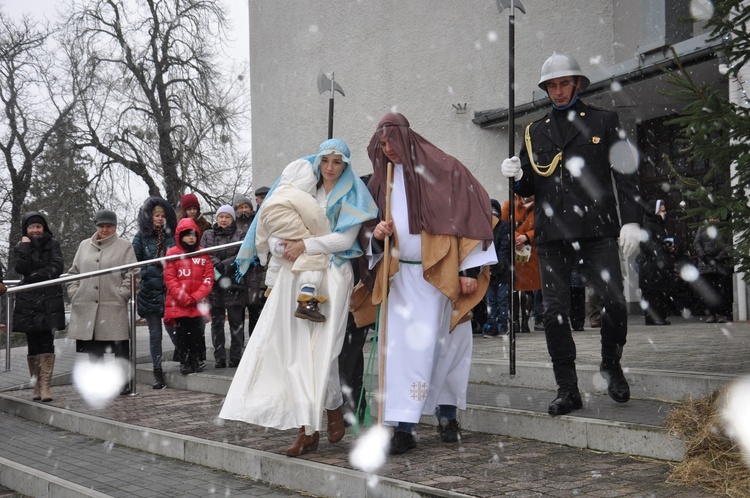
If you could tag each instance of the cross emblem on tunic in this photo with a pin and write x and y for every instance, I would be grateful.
(418, 391)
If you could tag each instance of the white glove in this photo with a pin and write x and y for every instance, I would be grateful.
(511, 168)
(630, 237)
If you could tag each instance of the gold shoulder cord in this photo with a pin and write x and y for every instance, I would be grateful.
(544, 171)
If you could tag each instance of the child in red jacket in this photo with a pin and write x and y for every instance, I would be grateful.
(189, 280)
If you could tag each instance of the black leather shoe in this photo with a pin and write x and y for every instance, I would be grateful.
(567, 400)
(220, 364)
(617, 387)
(450, 432)
(401, 442)
(234, 364)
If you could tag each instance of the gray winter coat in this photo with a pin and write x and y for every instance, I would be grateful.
(99, 305)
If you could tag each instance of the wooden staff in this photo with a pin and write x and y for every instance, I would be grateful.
(385, 270)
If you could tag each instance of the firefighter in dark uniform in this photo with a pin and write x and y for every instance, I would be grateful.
(568, 161)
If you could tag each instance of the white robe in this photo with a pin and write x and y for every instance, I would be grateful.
(289, 371)
(426, 365)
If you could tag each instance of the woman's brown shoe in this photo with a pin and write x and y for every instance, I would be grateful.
(336, 429)
(303, 444)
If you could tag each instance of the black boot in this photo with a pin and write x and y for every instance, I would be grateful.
(186, 366)
(196, 364)
(568, 399)
(158, 379)
(617, 387)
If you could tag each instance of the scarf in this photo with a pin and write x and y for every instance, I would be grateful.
(161, 247)
(349, 204)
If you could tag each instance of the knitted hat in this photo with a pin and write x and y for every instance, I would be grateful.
(241, 199)
(34, 218)
(105, 217)
(226, 208)
(189, 201)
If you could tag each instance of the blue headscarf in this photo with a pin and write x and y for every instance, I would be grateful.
(349, 204)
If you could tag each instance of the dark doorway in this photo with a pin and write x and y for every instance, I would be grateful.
(663, 158)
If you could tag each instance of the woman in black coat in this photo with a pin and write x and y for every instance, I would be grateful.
(655, 266)
(39, 312)
(228, 297)
(156, 228)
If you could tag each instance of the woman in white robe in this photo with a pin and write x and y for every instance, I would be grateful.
(289, 371)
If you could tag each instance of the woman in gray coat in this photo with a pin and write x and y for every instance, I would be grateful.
(99, 305)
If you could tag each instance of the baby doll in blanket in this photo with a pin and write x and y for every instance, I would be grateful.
(293, 213)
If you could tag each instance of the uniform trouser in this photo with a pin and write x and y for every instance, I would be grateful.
(40, 342)
(601, 260)
(236, 332)
(577, 306)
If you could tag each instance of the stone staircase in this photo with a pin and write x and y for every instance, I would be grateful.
(516, 405)
(498, 404)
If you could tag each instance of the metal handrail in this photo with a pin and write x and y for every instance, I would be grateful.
(133, 304)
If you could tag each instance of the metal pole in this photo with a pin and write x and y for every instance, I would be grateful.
(132, 350)
(7, 332)
(330, 117)
(129, 266)
(512, 5)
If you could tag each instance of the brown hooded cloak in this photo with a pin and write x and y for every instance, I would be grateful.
(447, 205)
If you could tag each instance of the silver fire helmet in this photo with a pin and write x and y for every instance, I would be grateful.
(560, 65)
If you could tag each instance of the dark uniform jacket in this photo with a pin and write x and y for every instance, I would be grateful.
(578, 200)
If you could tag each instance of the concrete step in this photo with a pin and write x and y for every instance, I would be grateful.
(674, 386)
(32, 482)
(516, 406)
(644, 383)
(191, 459)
